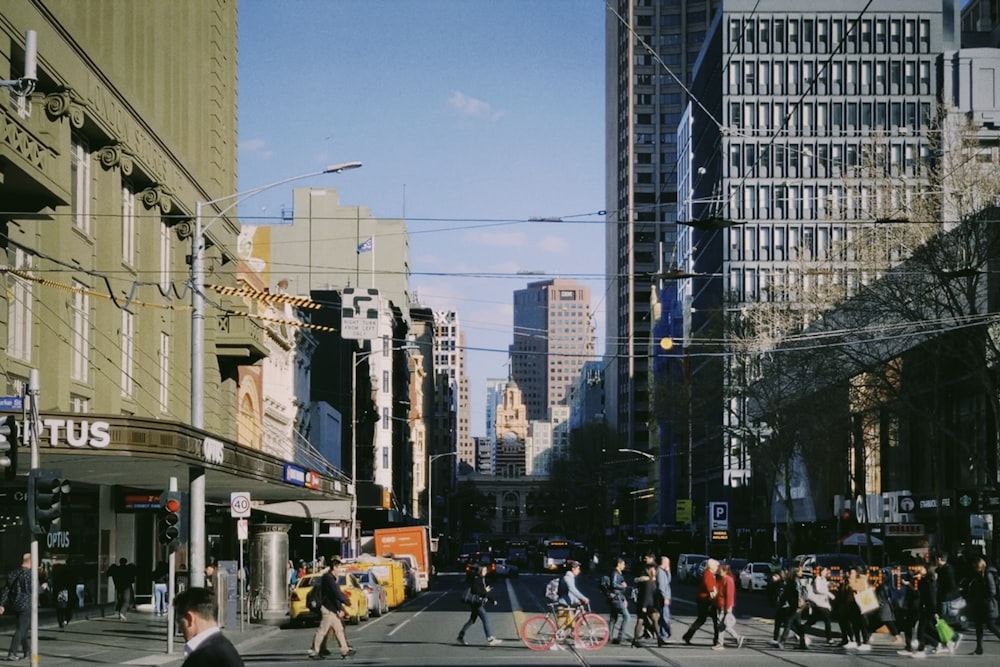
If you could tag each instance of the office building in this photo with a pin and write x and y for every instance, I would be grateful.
(553, 338)
(807, 127)
(650, 45)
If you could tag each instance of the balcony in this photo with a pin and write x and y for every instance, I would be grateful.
(34, 179)
(239, 337)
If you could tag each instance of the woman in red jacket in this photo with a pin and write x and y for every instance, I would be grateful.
(726, 602)
(708, 590)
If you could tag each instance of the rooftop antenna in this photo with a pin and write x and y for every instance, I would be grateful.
(26, 84)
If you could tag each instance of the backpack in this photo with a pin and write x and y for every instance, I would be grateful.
(607, 589)
(552, 590)
(314, 600)
(19, 590)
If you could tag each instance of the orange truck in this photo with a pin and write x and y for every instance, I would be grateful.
(411, 542)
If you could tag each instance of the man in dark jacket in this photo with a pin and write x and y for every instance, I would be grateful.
(196, 611)
(15, 598)
(926, 585)
(332, 614)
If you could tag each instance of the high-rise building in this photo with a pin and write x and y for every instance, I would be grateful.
(452, 381)
(651, 46)
(553, 337)
(794, 110)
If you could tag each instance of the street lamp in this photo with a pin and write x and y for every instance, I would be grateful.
(196, 567)
(646, 455)
(430, 490)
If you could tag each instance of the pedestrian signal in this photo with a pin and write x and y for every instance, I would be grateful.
(45, 493)
(8, 446)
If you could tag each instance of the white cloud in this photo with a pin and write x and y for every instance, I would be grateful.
(256, 147)
(470, 106)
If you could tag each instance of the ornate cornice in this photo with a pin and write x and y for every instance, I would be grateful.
(157, 195)
(184, 229)
(66, 103)
(116, 155)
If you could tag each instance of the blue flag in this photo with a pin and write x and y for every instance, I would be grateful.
(367, 246)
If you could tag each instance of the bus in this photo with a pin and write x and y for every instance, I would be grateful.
(554, 554)
(517, 553)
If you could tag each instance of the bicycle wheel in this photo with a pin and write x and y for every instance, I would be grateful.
(538, 633)
(591, 632)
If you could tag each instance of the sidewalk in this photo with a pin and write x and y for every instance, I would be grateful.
(141, 640)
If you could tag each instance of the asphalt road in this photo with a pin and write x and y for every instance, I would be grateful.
(423, 632)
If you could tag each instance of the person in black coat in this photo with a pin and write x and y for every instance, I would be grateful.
(981, 596)
(926, 585)
(647, 612)
(481, 596)
(195, 612)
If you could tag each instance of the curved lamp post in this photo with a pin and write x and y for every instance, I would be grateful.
(196, 568)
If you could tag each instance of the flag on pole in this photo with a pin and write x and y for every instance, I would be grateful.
(367, 246)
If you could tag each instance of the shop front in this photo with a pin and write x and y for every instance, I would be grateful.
(117, 468)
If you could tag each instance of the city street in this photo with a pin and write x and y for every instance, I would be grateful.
(423, 632)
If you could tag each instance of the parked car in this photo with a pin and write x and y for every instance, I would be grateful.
(756, 576)
(736, 565)
(357, 610)
(378, 598)
(686, 564)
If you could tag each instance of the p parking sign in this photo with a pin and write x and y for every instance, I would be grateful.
(719, 515)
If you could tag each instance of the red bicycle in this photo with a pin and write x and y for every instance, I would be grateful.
(588, 630)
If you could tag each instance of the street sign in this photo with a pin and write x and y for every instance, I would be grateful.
(719, 515)
(11, 403)
(239, 504)
(359, 314)
(242, 529)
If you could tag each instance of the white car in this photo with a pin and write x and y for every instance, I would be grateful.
(755, 576)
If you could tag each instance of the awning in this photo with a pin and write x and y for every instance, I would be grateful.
(325, 510)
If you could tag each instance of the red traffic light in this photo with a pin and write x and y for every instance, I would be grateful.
(172, 505)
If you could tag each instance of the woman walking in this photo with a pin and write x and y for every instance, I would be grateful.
(647, 615)
(481, 596)
(981, 595)
(727, 603)
(821, 599)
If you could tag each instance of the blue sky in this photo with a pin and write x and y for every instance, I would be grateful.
(470, 116)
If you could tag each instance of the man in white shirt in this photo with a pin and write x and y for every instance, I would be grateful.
(196, 611)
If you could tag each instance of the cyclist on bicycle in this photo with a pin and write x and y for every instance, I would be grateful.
(569, 594)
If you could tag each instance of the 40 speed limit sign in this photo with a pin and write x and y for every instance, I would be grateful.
(239, 504)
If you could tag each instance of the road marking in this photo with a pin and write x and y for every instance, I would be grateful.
(417, 613)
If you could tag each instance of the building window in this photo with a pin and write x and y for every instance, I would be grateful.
(385, 419)
(80, 186)
(385, 381)
(19, 306)
(128, 224)
(79, 404)
(165, 257)
(128, 353)
(80, 353)
(163, 359)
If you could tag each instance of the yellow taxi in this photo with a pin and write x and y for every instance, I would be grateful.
(356, 611)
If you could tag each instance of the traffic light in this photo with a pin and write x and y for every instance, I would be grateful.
(170, 526)
(8, 446)
(45, 491)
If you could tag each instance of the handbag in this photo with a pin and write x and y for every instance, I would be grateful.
(945, 632)
(866, 600)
